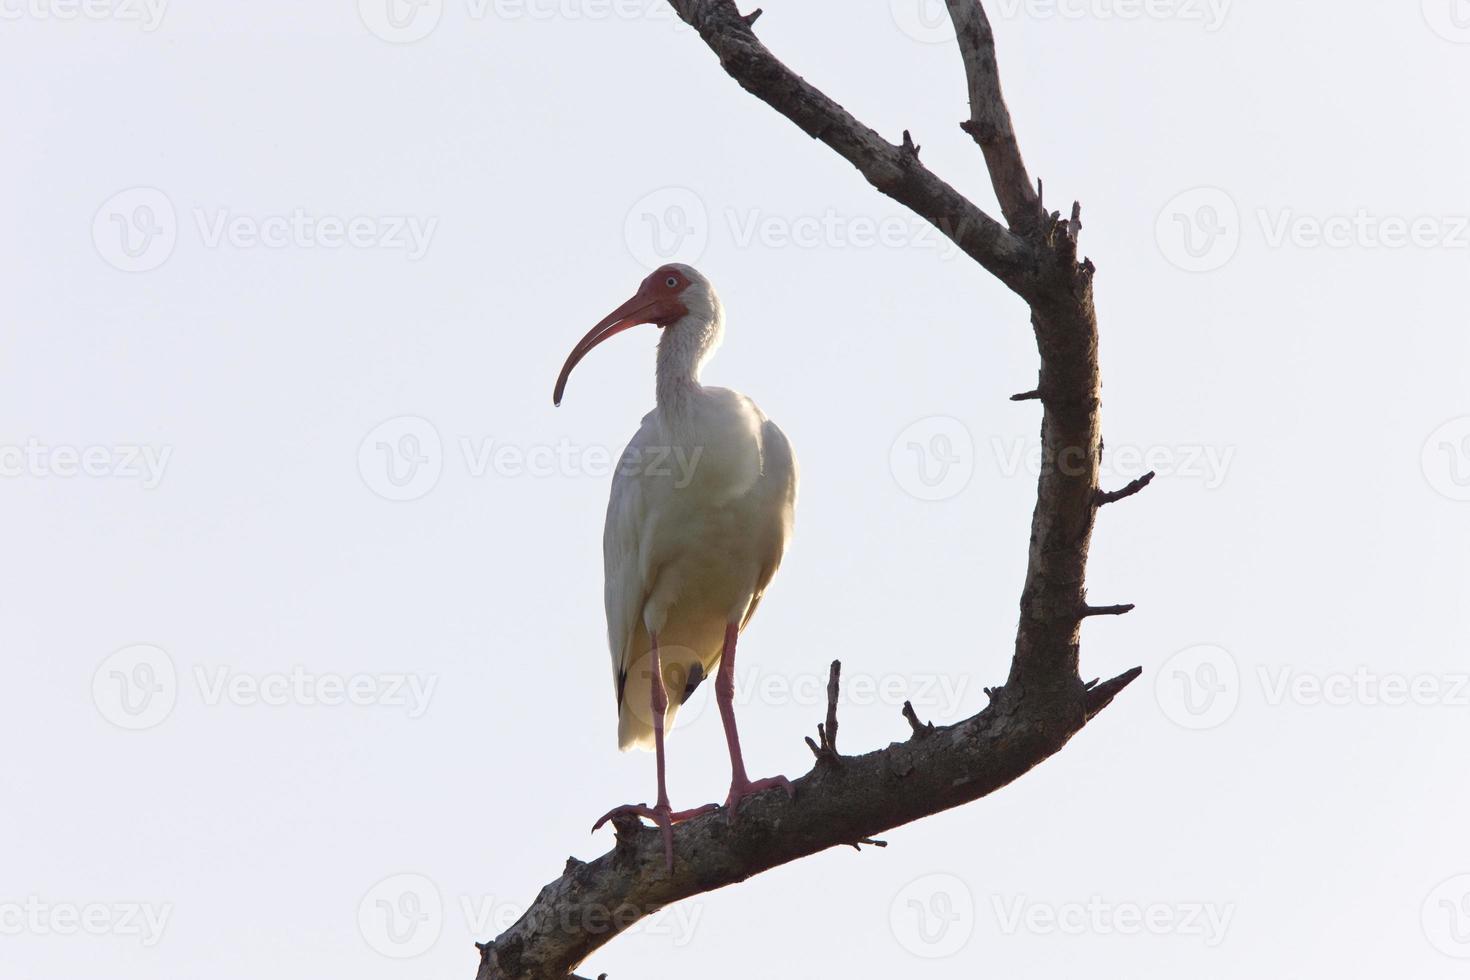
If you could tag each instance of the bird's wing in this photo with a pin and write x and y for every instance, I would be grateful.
(778, 482)
(627, 575)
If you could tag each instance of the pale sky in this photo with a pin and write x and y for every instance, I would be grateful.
(305, 665)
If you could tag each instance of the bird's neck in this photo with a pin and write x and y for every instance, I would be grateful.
(682, 350)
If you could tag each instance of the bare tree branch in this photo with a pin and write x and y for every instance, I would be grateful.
(847, 800)
(1128, 490)
(920, 729)
(1099, 696)
(1117, 610)
(892, 168)
(825, 748)
(990, 120)
(834, 805)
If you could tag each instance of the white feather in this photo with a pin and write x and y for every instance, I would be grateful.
(699, 515)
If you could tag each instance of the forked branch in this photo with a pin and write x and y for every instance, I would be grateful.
(847, 800)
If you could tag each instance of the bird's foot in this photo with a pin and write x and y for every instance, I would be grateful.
(741, 788)
(662, 816)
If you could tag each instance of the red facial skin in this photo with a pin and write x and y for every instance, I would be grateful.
(657, 301)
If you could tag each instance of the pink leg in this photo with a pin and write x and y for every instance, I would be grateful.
(741, 785)
(660, 813)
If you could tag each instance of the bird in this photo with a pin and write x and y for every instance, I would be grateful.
(698, 518)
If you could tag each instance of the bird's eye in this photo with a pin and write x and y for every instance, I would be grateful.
(672, 281)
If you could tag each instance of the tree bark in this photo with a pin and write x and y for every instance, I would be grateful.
(1043, 703)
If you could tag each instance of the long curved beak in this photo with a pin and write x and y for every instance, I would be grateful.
(639, 309)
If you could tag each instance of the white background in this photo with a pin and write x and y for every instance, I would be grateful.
(543, 142)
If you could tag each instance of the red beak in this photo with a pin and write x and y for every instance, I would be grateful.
(642, 308)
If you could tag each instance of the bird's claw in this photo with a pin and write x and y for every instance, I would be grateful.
(741, 789)
(662, 816)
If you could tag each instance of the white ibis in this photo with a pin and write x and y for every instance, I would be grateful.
(700, 511)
